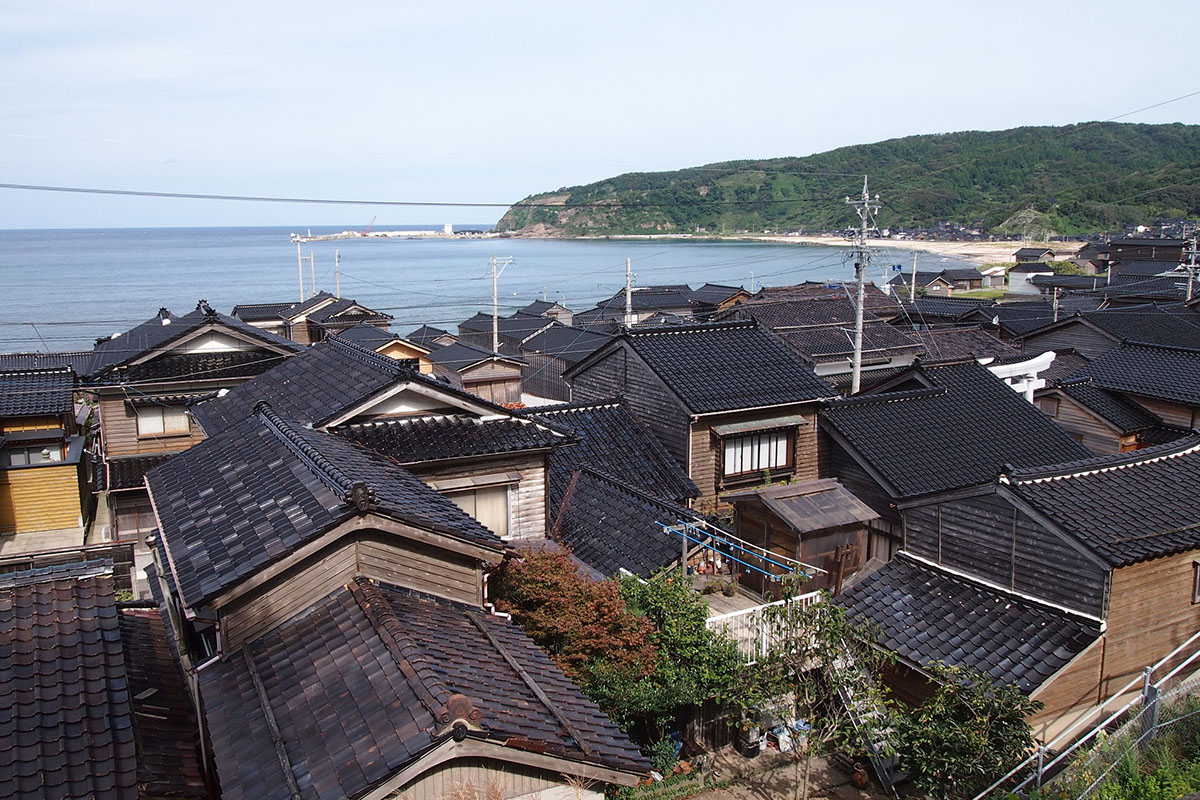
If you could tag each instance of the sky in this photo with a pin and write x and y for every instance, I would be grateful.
(489, 102)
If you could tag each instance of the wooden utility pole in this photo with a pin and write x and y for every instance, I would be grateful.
(866, 208)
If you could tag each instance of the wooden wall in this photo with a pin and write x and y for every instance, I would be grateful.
(988, 537)
(1177, 414)
(40, 498)
(1085, 427)
(841, 465)
(49, 422)
(1074, 688)
(622, 373)
(528, 505)
(542, 375)
(488, 778)
(1088, 341)
(706, 451)
(759, 525)
(118, 425)
(385, 557)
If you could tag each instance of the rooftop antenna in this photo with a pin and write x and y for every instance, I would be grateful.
(866, 208)
(495, 303)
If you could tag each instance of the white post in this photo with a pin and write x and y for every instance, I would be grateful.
(495, 312)
(337, 274)
(312, 272)
(912, 295)
(628, 293)
(300, 270)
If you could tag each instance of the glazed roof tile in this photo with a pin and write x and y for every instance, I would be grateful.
(153, 335)
(460, 356)
(957, 344)
(128, 472)
(570, 344)
(961, 431)
(1142, 323)
(613, 442)
(412, 440)
(356, 682)
(65, 715)
(1165, 373)
(252, 494)
(164, 720)
(925, 614)
(195, 367)
(611, 526)
(37, 392)
(368, 336)
(726, 366)
(426, 334)
(1127, 507)
(1123, 415)
(519, 326)
(78, 361)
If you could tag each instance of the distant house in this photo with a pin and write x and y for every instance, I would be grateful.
(728, 401)
(1092, 258)
(512, 331)
(678, 300)
(389, 344)
(547, 355)
(544, 308)
(930, 283)
(489, 375)
(948, 345)
(1093, 333)
(429, 337)
(1103, 421)
(1020, 277)
(1044, 577)
(1033, 255)
(875, 300)
(1162, 379)
(1141, 248)
(311, 320)
(43, 481)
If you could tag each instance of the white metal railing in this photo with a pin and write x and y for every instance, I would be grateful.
(1074, 735)
(750, 628)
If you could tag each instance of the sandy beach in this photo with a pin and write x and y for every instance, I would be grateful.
(975, 252)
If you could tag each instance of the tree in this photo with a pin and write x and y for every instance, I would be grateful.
(969, 732)
(815, 650)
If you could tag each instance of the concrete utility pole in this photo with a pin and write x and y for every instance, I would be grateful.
(496, 303)
(337, 274)
(300, 269)
(912, 294)
(866, 208)
(1191, 268)
(628, 293)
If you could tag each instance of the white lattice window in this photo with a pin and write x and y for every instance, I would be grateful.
(755, 452)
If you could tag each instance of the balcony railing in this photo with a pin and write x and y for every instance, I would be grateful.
(750, 628)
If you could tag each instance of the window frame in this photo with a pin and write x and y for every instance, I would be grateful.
(788, 464)
(473, 491)
(1196, 583)
(141, 412)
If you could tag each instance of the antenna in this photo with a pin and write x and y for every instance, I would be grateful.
(866, 209)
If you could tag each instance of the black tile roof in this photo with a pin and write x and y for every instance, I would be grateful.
(164, 720)
(77, 361)
(233, 364)
(1032, 252)
(1127, 507)
(1123, 415)
(612, 441)
(961, 431)
(356, 683)
(726, 366)
(368, 336)
(154, 334)
(832, 343)
(1143, 268)
(426, 334)
(65, 715)
(943, 307)
(314, 386)
(538, 308)
(342, 311)
(518, 326)
(713, 294)
(127, 472)
(37, 392)
(1067, 364)
(250, 495)
(413, 440)
(956, 344)
(1146, 288)
(611, 526)
(925, 614)
(874, 299)
(1067, 281)
(1165, 373)
(570, 344)
(459, 356)
(259, 312)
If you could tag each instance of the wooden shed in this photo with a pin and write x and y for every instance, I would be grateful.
(816, 522)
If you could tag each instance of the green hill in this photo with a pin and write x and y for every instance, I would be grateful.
(1074, 179)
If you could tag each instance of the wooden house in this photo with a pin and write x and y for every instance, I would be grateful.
(389, 344)
(143, 381)
(490, 460)
(1162, 379)
(511, 332)
(1092, 258)
(1140, 248)
(429, 337)
(934, 284)
(310, 321)
(934, 429)
(1055, 592)
(328, 568)
(814, 522)
(1094, 333)
(550, 353)
(1102, 421)
(544, 308)
(1033, 255)
(875, 300)
(43, 471)
(489, 375)
(728, 401)
(1020, 277)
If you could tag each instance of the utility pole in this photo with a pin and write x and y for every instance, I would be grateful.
(337, 274)
(628, 293)
(312, 272)
(1191, 267)
(495, 303)
(912, 295)
(300, 270)
(866, 208)
(1054, 303)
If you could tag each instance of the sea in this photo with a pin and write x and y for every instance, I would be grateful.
(65, 288)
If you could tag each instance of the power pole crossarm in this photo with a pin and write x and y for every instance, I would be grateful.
(866, 208)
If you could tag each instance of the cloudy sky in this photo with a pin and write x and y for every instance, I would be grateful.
(488, 102)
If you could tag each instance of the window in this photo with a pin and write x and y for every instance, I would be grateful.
(755, 452)
(23, 455)
(161, 421)
(488, 505)
(1049, 406)
(1195, 582)
(131, 519)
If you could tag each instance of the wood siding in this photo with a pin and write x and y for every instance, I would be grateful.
(859, 482)
(40, 498)
(1076, 687)
(528, 505)
(118, 425)
(1085, 427)
(706, 452)
(1086, 340)
(1176, 414)
(622, 373)
(758, 525)
(542, 376)
(479, 777)
(382, 556)
(16, 424)
(988, 537)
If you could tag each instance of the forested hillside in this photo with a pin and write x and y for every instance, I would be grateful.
(1073, 179)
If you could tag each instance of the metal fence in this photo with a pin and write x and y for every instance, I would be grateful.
(750, 628)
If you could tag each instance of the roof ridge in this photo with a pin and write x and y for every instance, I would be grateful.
(417, 670)
(1156, 346)
(346, 488)
(1103, 464)
(264, 704)
(692, 328)
(885, 397)
(369, 356)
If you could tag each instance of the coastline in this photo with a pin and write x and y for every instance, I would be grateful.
(971, 252)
